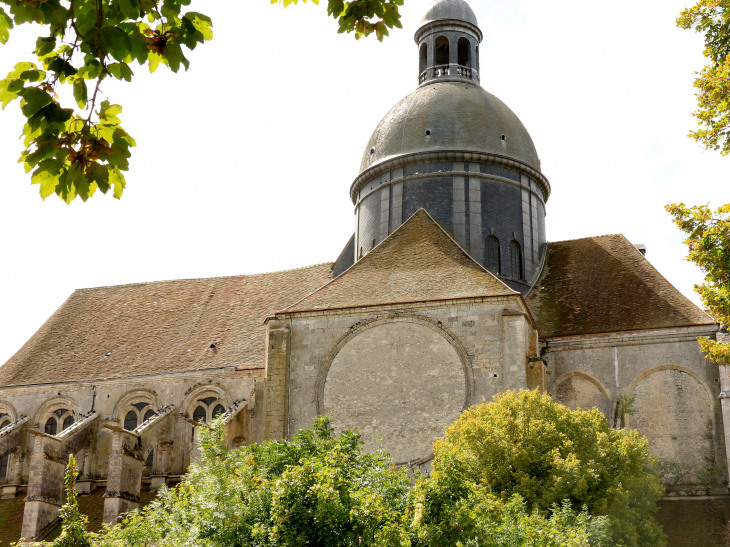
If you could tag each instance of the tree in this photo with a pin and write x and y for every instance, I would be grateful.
(712, 18)
(74, 533)
(74, 151)
(525, 444)
(708, 240)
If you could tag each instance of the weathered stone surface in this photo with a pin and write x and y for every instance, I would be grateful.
(674, 412)
(401, 382)
(578, 391)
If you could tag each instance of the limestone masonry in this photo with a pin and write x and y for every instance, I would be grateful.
(447, 294)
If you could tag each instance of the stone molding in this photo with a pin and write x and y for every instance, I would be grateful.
(446, 25)
(588, 376)
(418, 319)
(628, 338)
(447, 156)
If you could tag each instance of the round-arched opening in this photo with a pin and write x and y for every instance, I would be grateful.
(422, 58)
(4, 469)
(200, 415)
(148, 464)
(463, 49)
(67, 422)
(218, 410)
(476, 59)
(441, 49)
(51, 426)
(4, 423)
(131, 421)
(148, 415)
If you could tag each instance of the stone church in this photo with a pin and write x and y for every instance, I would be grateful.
(447, 293)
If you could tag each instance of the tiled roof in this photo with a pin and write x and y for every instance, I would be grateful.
(603, 284)
(160, 327)
(418, 262)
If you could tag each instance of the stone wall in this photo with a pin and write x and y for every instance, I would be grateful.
(675, 388)
(404, 373)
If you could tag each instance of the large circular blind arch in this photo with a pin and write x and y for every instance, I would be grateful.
(401, 381)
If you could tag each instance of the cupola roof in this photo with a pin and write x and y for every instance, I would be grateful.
(439, 10)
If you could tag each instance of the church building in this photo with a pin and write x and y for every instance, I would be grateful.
(448, 293)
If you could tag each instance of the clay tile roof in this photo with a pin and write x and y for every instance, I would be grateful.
(418, 262)
(603, 284)
(160, 327)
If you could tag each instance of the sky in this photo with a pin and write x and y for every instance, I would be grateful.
(244, 162)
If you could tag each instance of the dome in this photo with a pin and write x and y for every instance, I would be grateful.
(448, 9)
(450, 116)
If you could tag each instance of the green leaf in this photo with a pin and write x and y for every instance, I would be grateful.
(202, 24)
(129, 8)
(154, 60)
(34, 99)
(174, 56)
(47, 176)
(100, 175)
(6, 23)
(80, 93)
(116, 179)
(44, 46)
(106, 132)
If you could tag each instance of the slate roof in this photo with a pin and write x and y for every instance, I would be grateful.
(603, 284)
(418, 262)
(160, 327)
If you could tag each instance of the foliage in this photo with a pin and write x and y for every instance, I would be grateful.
(712, 18)
(624, 406)
(74, 532)
(318, 489)
(73, 151)
(363, 17)
(708, 240)
(524, 443)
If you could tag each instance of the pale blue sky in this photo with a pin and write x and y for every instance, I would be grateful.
(244, 162)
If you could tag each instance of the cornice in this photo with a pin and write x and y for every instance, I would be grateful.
(427, 157)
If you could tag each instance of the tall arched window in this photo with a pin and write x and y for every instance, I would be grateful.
(515, 260)
(148, 415)
(218, 410)
(131, 420)
(422, 58)
(4, 422)
(200, 415)
(492, 259)
(441, 49)
(463, 48)
(476, 60)
(51, 426)
(67, 422)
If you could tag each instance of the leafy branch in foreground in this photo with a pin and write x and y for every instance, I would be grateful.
(75, 151)
(363, 17)
(708, 239)
(712, 18)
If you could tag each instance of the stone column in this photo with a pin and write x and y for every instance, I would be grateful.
(277, 378)
(45, 487)
(124, 475)
(724, 371)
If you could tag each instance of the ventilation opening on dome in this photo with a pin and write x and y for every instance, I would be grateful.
(504, 138)
(428, 132)
(372, 150)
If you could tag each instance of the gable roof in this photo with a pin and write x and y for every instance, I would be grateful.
(604, 284)
(418, 262)
(160, 327)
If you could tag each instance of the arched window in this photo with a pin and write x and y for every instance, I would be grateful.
(422, 58)
(51, 426)
(4, 469)
(441, 48)
(4, 423)
(131, 420)
(148, 415)
(515, 260)
(148, 464)
(463, 48)
(200, 415)
(492, 259)
(67, 422)
(218, 410)
(476, 61)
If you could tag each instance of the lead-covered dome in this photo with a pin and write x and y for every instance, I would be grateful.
(450, 116)
(439, 10)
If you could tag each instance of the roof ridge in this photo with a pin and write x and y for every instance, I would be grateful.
(202, 278)
(619, 234)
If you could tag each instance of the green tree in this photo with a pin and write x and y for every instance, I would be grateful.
(712, 18)
(525, 444)
(708, 240)
(74, 150)
(74, 533)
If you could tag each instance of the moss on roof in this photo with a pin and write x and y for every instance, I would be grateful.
(604, 284)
